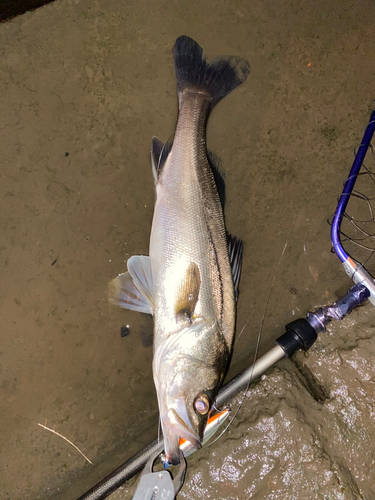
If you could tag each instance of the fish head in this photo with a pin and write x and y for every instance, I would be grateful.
(188, 374)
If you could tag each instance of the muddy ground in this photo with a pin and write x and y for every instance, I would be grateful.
(84, 85)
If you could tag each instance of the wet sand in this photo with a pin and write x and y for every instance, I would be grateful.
(84, 87)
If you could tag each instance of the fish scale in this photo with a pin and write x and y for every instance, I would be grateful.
(180, 216)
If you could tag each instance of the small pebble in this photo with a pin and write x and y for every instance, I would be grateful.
(125, 331)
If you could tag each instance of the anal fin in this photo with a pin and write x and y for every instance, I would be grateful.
(159, 154)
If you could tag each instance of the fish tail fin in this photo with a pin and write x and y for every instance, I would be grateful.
(218, 77)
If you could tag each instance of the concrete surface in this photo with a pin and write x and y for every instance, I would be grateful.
(84, 85)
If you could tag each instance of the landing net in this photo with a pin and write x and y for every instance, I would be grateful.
(353, 225)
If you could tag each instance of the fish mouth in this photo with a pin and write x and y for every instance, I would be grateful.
(175, 427)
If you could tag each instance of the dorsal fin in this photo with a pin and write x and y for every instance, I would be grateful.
(235, 250)
(159, 154)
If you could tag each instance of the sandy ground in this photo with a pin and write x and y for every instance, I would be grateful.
(84, 85)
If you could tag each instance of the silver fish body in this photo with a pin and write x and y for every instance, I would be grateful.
(187, 280)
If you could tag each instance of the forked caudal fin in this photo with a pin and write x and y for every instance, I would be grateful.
(219, 77)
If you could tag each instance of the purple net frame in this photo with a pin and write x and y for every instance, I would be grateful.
(354, 269)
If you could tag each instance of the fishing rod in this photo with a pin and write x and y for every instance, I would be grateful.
(299, 334)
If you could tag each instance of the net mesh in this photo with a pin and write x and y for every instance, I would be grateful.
(357, 232)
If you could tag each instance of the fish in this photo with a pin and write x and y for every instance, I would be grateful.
(189, 280)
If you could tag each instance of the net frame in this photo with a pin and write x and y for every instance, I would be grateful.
(353, 268)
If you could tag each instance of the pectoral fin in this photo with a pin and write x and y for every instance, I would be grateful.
(187, 293)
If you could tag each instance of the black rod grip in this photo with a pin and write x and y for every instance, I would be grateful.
(299, 335)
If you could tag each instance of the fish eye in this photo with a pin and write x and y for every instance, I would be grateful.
(202, 404)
